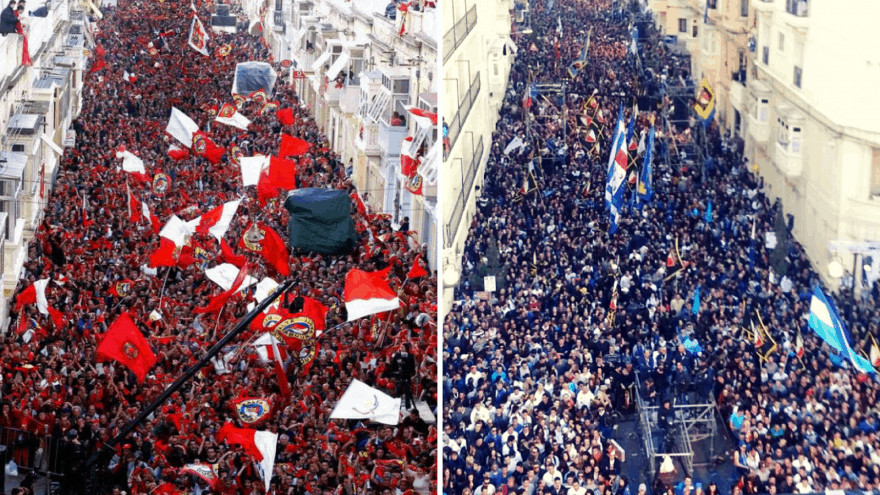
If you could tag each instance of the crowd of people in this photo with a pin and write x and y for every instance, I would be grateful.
(535, 373)
(55, 391)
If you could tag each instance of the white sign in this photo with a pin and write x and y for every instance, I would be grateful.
(489, 284)
(69, 139)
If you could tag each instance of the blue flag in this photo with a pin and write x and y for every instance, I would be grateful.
(646, 187)
(709, 213)
(696, 307)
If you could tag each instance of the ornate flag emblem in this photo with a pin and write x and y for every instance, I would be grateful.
(253, 238)
(238, 100)
(414, 184)
(259, 96)
(227, 110)
(369, 406)
(160, 183)
(153, 51)
(200, 145)
(123, 289)
(252, 411)
(236, 154)
(202, 256)
(298, 327)
(307, 353)
(130, 350)
(224, 50)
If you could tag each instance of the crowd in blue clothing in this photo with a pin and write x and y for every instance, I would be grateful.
(536, 372)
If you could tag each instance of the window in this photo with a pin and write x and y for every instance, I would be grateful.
(781, 42)
(875, 173)
(737, 122)
(743, 8)
(695, 29)
(713, 4)
(798, 63)
(682, 25)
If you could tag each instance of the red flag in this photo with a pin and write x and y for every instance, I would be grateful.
(57, 318)
(205, 148)
(291, 146)
(240, 436)
(124, 343)
(281, 174)
(416, 271)
(229, 255)
(177, 153)
(27, 296)
(135, 210)
(164, 256)
(359, 203)
(219, 300)
(285, 116)
(300, 328)
(259, 238)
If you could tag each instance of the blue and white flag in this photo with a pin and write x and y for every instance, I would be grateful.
(617, 162)
(828, 325)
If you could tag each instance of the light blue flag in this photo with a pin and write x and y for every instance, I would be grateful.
(709, 213)
(696, 307)
(828, 325)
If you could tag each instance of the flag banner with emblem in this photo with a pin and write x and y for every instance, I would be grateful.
(320, 221)
(125, 344)
(198, 37)
(122, 288)
(228, 114)
(202, 471)
(361, 401)
(181, 127)
(705, 105)
(203, 146)
(261, 239)
(367, 293)
(414, 184)
(825, 321)
(252, 411)
(178, 231)
(764, 342)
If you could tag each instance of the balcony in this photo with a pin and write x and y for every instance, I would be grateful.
(798, 14)
(390, 138)
(469, 167)
(758, 110)
(738, 90)
(464, 109)
(458, 32)
(350, 99)
(765, 6)
(788, 152)
(367, 139)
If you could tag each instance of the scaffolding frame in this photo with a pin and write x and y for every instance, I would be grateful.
(694, 423)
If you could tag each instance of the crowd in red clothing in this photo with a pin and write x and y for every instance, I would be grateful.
(55, 387)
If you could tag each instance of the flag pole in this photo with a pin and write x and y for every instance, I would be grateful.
(183, 378)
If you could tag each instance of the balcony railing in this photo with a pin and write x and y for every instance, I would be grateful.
(798, 72)
(766, 55)
(464, 109)
(458, 32)
(797, 8)
(469, 173)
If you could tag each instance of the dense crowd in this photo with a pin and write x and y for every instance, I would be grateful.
(55, 392)
(537, 373)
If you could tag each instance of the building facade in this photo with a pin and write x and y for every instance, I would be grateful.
(359, 71)
(792, 79)
(477, 57)
(38, 103)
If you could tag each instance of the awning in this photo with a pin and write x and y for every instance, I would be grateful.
(337, 66)
(322, 59)
(54, 147)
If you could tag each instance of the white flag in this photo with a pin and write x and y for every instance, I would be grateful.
(177, 231)
(363, 401)
(131, 162)
(229, 115)
(251, 166)
(42, 302)
(224, 275)
(181, 127)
